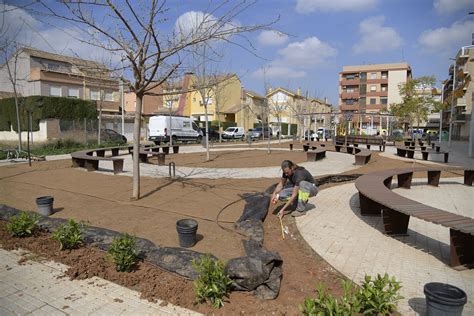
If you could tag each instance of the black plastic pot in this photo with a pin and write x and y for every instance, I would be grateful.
(187, 229)
(45, 205)
(444, 299)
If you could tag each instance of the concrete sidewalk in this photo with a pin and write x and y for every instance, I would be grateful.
(356, 245)
(40, 288)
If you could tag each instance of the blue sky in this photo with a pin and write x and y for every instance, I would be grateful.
(320, 37)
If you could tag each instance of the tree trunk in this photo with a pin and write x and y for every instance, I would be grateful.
(207, 132)
(17, 106)
(136, 148)
(100, 124)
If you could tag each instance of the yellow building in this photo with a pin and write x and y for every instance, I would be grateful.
(223, 95)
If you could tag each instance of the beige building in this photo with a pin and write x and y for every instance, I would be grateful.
(462, 100)
(293, 108)
(47, 74)
(370, 89)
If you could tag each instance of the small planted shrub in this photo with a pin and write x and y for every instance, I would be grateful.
(69, 235)
(22, 225)
(124, 253)
(326, 304)
(212, 285)
(375, 297)
(378, 295)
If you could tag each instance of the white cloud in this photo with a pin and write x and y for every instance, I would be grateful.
(297, 58)
(273, 71)
(26, 30)
(193, 24)
(308, 6)
(309, 52)
(272, 38)
(445, 39)
(451, 6)
(375, 37)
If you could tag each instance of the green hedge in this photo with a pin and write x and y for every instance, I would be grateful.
(52, 108)
(293, 129)
(214, 124)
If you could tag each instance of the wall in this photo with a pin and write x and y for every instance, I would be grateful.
(23, 71)
(39, 136)
(395, 77)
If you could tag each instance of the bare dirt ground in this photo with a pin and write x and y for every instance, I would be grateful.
(104, 201)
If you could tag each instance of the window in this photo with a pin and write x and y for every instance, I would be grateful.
(384, 74)
(384, 87)
(95, 95)
(363, 75)
(373, 101)
(349, 77)
(383, 100)
(109, 96)
(73, 93)
(55, 91)
(349, 90)
(373, 88)
(373, 75)
(350, 101)
(186, 124)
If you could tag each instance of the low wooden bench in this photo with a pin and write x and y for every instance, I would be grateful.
(362, 140)
(409, 152)
(445, 154)
(86, 159)
(376, 198)
(316, 154)
(362, 156)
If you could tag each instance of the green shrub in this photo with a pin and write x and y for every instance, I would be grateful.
(326, 304)
(379, 295)
(124, 253)
(375, 297)
(69, 235)
(212, 284)
(22, 225)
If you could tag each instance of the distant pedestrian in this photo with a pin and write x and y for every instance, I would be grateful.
(296, 186)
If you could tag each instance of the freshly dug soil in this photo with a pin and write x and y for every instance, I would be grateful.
(104, 201)
(235, 159)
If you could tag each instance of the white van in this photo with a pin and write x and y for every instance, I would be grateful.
(182, 128)
(234, 132)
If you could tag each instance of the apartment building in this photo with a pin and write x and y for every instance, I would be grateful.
(370, 89)
(460, 76)
(47, 74)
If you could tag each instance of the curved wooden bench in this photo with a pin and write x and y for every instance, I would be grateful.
(409, 152)
(316, 154)
(86, 159)
(362, 156)
(376, 198)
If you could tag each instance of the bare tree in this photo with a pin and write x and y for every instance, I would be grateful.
(11, 54)
(152, 56)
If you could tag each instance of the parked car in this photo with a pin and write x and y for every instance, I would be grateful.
(233, 133)
(109, 135)
(213, 134)
(260, 132)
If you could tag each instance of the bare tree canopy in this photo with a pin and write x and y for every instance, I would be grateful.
(138, 32)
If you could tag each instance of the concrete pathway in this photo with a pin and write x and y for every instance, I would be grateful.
(356, 245)
(334, 163)
(40, 288)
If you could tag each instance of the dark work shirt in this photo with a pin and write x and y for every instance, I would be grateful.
(299, 174)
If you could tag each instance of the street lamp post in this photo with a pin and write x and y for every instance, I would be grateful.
(452, 106)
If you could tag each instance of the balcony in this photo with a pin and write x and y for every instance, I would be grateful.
(350, 95)
(377, 81)
(350, 82)
(376, 93)
(462, 118)
(347, 107)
